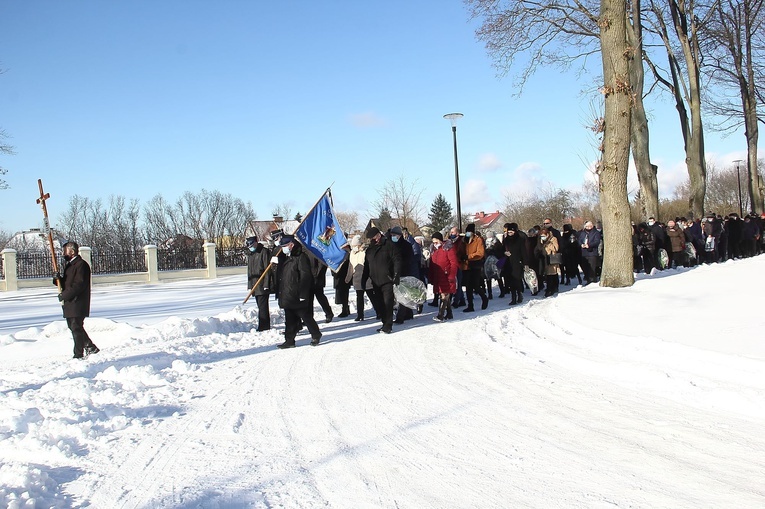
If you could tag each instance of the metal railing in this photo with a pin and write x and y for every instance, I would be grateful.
(34, 264)
(232, 257)
(180, 259)
(118, 262)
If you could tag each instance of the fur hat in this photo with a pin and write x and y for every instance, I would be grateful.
(356, 240)
(470, 228)
(372, 232)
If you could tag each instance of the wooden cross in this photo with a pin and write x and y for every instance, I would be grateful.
(41, 201)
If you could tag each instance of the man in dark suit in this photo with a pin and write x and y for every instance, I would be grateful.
(294, 281)
(382, 265)
(75, 298)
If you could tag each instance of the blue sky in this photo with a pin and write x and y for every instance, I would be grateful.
(274, 101)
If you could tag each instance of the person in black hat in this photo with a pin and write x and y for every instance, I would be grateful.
(75, 298)
(516, 258)
(712, 229)
(409, 267)
(382, 265)
(258, 258)
(294, 282)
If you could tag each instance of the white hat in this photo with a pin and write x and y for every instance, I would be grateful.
(356, 240)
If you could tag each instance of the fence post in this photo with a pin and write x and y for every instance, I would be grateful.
(212, 267)
(11, 274)
(87, 254)
(152, 266)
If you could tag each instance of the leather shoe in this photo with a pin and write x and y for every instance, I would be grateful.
(286, 344)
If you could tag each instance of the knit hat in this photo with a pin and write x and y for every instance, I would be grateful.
(470, 228)
(396, 230)
(437, 236)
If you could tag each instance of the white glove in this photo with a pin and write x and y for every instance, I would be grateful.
(275, 260)
(507, 253)
(302, 300)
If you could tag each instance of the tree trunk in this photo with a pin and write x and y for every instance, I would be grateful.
(646, 172)
(617, 256)
(756, 190)
(687, 33)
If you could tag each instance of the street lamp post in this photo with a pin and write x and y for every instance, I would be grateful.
(738, 177)
(453, 117)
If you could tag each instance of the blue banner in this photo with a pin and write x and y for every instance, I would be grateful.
(322, 235)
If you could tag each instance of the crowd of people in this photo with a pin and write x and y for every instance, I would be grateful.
(459, 267)
(463, 267)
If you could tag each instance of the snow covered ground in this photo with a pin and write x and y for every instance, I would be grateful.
(646, 397)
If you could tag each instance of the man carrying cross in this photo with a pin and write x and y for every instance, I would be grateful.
(75, 298)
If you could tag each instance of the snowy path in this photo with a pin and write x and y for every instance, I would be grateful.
(529, 406)
(413, 420)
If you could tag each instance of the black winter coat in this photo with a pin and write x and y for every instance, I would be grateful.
(76, 288)
(515, 245)
(295, 280)
(410, 266)
(382, 263)
(256, 265)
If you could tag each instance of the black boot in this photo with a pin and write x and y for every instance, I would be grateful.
(520, 297)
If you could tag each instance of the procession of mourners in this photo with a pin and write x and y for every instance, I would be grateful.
(464, 270)
(393, 273)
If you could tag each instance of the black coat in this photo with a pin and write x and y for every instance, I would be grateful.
(295, 280)
(256, 265)
(410, 266)
(515, 245)
(382, 263)
(76, 288)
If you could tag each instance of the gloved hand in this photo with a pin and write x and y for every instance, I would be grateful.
(61, 297)
(275, 260)
(57, 278)
(396, 280)
(507, 253)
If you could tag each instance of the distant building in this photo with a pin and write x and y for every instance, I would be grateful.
(493, 221)
(262, 229)
(35, 240)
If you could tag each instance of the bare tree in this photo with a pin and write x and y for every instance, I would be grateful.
(6, 149)
(5, 236)
(678, 24)
(734, 45)
(559, 33)
(402, 199)
(112, 228)
(206, 216)
(283, 210)
(349, 221)
(160, 220)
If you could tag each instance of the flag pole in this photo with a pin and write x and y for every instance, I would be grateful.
(257, 283)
